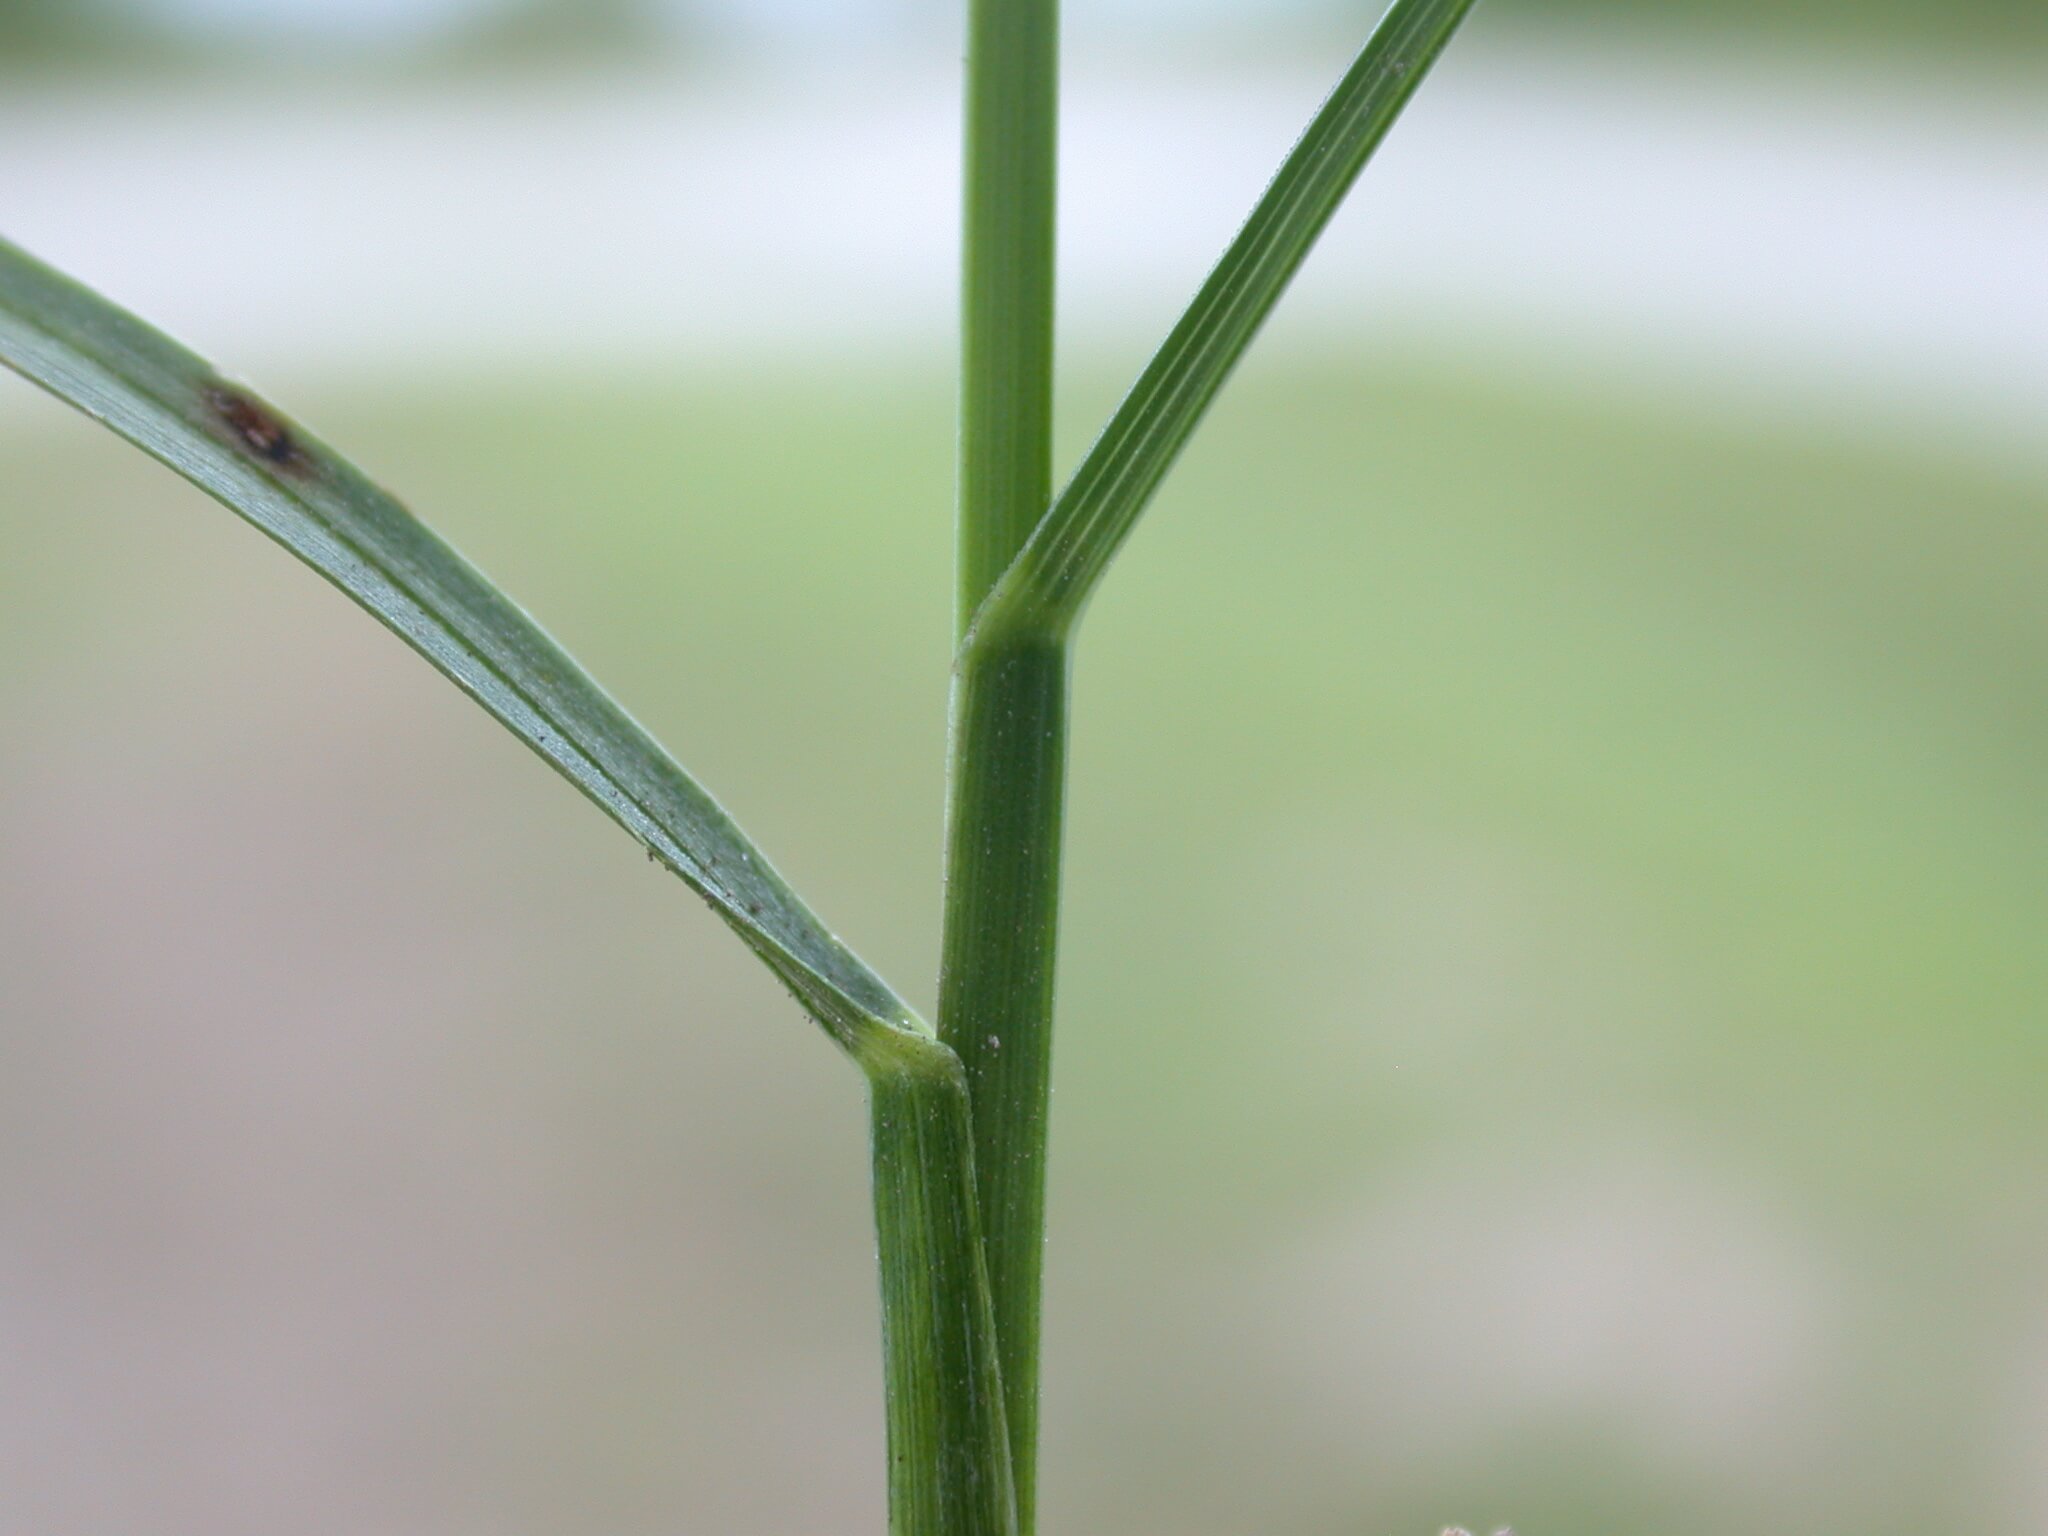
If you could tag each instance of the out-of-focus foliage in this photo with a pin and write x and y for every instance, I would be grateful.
(186, 31)
(1957, 23)
(28, 24)
(88, 29)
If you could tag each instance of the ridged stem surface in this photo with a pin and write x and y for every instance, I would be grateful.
(1008, 737)
(996, 988)
(949, 1461)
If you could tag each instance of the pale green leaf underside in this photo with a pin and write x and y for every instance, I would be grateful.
(222, 438)
(1045, 587)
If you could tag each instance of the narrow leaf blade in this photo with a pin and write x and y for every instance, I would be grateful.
(1045, 587)
(224, 439)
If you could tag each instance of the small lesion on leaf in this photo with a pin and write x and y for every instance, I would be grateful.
(255, 427)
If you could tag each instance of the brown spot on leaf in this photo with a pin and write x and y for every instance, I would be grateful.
(256, 427)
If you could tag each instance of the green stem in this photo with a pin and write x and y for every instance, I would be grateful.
(1007, 292)
(949, 1458)
(996, 985)
(1006, 780)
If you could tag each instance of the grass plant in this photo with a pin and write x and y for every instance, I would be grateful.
(959, 1109)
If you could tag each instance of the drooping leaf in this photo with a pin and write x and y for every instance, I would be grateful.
(232, 444)
(1044, 589)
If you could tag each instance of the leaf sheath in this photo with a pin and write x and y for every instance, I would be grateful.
(949, 1450)
(996, 978)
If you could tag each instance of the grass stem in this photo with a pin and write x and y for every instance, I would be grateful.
(1006, 781)
(949, 1453)
(996, 985)
(1011, 157)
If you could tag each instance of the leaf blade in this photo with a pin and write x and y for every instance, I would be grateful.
(231, 444)
(1047, 584)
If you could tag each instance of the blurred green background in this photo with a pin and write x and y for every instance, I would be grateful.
(445, 30)
(1553, 989)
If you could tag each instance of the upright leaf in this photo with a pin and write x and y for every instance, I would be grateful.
(1045, 587)
(226, 440)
